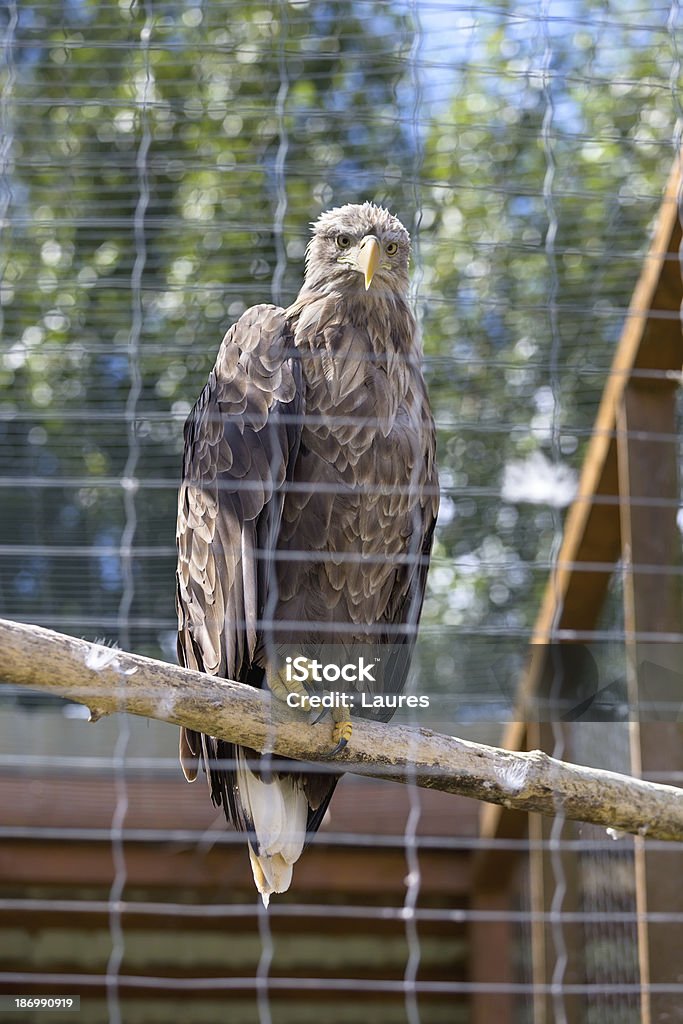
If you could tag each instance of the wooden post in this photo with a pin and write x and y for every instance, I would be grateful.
(547, 873)
(647, 446)
(490, 945)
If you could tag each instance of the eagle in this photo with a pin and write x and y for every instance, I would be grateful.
(306, 513)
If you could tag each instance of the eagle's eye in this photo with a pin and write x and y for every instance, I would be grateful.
(391, 248)
(343, 241)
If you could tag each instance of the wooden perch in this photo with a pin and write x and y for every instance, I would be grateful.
(107, 680)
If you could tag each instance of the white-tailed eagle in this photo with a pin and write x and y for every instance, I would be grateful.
(306, 510)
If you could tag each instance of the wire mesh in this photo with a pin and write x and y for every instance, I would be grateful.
(159, 167)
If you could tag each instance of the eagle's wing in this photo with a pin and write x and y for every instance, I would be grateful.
(404, 607)
(241, 442)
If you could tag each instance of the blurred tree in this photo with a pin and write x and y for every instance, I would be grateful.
(546, 173)
(189, 150)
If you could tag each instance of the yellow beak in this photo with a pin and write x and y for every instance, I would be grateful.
(368, 258)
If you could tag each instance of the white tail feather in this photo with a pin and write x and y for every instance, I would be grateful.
(279, 812)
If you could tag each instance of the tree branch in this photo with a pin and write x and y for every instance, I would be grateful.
(108, 680)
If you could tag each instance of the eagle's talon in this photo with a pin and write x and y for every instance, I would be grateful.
(341, 734)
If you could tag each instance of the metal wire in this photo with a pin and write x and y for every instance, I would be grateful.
(130, 487)
(191, 224)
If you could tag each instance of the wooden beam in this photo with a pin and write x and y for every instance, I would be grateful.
(361, 806)
(223, 871)
(380, 1000)
(284, 918)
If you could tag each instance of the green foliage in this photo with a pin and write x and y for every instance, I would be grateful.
(189, 155)
(170, 159)
(545, 174)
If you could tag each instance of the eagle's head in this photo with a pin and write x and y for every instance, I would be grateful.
(358, 248)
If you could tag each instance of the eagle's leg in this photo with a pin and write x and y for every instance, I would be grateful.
(283, 687)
